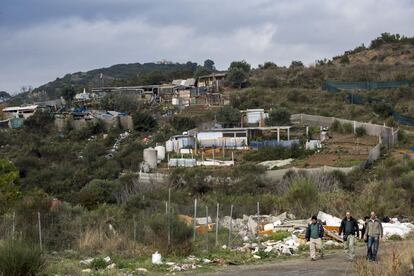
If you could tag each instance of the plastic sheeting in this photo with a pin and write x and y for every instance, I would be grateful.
(182, 162)
(273, 143)
(328, 219)
(397, 229)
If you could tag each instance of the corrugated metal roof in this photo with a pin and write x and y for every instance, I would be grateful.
(20, 108)
(189, 82)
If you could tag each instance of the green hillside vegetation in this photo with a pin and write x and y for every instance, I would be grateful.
(95, 190)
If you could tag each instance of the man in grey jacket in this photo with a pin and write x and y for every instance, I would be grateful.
(373, 233)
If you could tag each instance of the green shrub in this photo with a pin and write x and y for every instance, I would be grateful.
(383, 109)
(265, 255)
(347, 128)
(144, 121)
(336, 126)
(278, 116)
(302, 198)
(228, 116)
(402, 137)
(360, 131)
(341, 128)
(344, 59)
(275, 153)
(19, 258)
(98, 263)
(182, 123)
(181, 234)
(279, 235)
(98, 191)
(395, 238)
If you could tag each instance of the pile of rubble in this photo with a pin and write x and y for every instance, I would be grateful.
(191, 263)
(287, 246)
(249, 226)
(89, 262)
(258, 234)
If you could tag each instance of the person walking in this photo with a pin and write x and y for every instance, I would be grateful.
(373, 233)
(364, 227)
(350, 230)
(314, 235)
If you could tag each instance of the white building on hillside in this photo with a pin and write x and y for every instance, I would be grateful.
(20, 111)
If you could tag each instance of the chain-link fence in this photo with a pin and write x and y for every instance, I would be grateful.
(161, 225)
(336, 87)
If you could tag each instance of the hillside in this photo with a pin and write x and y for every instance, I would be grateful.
(4, 94)
(120, 74)
(388, 57)
(387, 49)
(386, 54)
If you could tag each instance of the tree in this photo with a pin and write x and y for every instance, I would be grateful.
(201, 71)
(68, 93)
(93, 151)
(228, 116)
(98, 191)
(144, 121)
(182, 123)
(153, 77)
(209, 65)
(344, 59)
(39, 121)
(238, 73)
(296, 64)
(279, 116)
(9, 175)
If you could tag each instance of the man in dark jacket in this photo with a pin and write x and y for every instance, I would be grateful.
(350, 230)
(364, 227)
(314, 235)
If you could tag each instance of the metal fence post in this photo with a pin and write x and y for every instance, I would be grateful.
(40, 230)
(217, 222)
(169, 217)
(231, 226)
(14, 224)
(207, 228)
(135, 229)
(194, 219)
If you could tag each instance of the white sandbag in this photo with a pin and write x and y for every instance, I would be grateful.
(156, 258)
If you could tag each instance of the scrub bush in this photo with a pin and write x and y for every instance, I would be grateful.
(19, 258)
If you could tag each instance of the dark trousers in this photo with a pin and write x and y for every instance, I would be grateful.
(373, 244)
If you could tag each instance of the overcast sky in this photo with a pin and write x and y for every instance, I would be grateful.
(41, 40)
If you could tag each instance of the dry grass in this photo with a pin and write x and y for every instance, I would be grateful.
(398, 262)
(95, 241)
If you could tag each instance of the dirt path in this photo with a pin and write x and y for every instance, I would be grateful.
(333, 264)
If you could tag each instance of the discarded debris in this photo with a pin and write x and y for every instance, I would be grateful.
(396, 228)
(86, 262)
(156, 258)
(271, 164)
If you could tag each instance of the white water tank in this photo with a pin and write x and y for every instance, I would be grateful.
(150, 157)
(169, 145)
(175, 101)
(160, 152)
